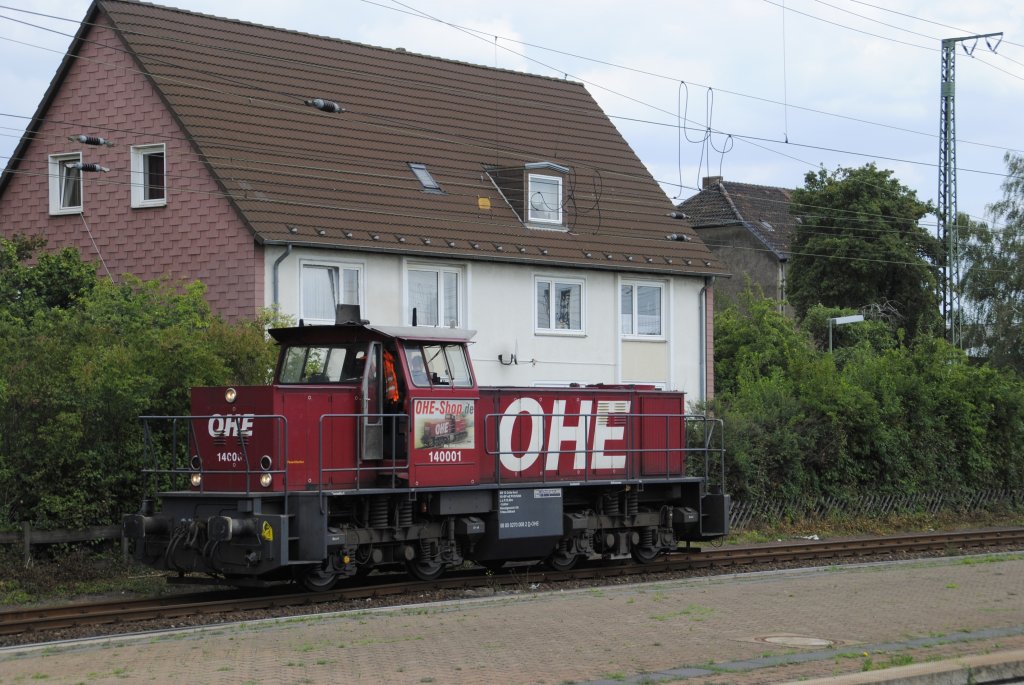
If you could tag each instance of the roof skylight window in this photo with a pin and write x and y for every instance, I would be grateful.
(424, 177)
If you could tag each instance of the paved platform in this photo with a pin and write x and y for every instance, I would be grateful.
(858, 621)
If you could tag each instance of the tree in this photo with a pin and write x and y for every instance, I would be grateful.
(992, 284)
(858, 244)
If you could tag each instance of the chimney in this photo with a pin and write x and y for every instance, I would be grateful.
(710, 182)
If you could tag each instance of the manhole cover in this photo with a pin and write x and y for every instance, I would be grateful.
(797, 641)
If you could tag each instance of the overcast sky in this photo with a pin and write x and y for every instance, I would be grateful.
(784, 86)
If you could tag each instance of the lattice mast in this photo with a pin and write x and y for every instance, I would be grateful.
(946, 209)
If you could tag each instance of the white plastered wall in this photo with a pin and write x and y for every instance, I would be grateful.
(498, 301)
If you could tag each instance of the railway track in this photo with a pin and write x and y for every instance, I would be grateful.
(21, 626)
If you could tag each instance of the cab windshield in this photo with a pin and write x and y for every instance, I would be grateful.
(438, 365)
(323, 364)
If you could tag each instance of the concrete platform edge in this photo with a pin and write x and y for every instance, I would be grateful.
(993, 669)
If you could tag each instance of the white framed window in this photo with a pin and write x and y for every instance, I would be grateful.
(324, 286)
(149, 177)
(65, 183)
(435, 294)
(559, 305)
(641, 308)
(544, 199)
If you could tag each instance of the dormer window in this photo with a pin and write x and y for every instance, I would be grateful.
(544, 199)
(536, 193)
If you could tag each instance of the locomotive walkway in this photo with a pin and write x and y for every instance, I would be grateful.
(744, 629)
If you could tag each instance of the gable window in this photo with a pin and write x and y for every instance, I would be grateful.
(149, 181)
(65, 183)
(559, 305)
(324, 286)
(433, 293)
(641, 307)
(544, 199)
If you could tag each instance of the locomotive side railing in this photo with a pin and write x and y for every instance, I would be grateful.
(188, 450)
(365, 475)
(697, 439)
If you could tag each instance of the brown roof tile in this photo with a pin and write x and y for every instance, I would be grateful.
(764, 210)
(299, 175)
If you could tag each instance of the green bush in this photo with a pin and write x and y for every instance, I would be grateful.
(872, 416)
(81, 358)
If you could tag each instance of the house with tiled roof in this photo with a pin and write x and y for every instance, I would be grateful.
(748, 228)
(297, 171)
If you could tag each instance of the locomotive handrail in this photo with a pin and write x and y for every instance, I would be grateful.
(392, 469)
(492, 442)
(192, 442)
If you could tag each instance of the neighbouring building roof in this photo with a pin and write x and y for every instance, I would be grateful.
(353, 179)
(764, 210)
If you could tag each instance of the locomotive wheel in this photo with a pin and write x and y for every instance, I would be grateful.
(318, 579)
(563, 561)
(644, 554)
(424, 569)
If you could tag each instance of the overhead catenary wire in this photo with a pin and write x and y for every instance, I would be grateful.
(550, 67)
(844, 152)
(335, 171)
(330, 173)
(730, 137)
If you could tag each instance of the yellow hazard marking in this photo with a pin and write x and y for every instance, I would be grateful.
(268, 532)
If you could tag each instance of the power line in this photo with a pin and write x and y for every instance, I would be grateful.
(927, 21)
(875, 35)
(746, 138)
(675, 79)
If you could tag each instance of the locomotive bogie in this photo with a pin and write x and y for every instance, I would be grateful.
(353, 534)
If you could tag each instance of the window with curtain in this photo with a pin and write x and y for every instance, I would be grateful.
(324, 287)
(545, 199)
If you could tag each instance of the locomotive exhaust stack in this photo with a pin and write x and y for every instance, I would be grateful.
(374, 448)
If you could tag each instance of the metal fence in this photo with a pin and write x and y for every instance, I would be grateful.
(29, 536)
(749, 513)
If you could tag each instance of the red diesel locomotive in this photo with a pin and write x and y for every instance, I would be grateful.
(375, 448)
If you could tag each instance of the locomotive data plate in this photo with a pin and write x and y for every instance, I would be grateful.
(529, 512)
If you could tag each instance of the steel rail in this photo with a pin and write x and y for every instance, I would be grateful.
(44, 620)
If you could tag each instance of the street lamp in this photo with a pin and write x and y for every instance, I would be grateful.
(839, 321)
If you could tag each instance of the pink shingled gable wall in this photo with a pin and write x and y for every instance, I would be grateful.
(198, 235)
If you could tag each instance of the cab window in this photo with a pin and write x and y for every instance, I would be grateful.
(439, 365)
(323, 364)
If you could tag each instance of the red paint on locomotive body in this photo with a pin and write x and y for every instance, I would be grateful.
(309, 436)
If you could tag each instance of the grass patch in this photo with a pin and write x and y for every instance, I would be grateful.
(68, 572)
